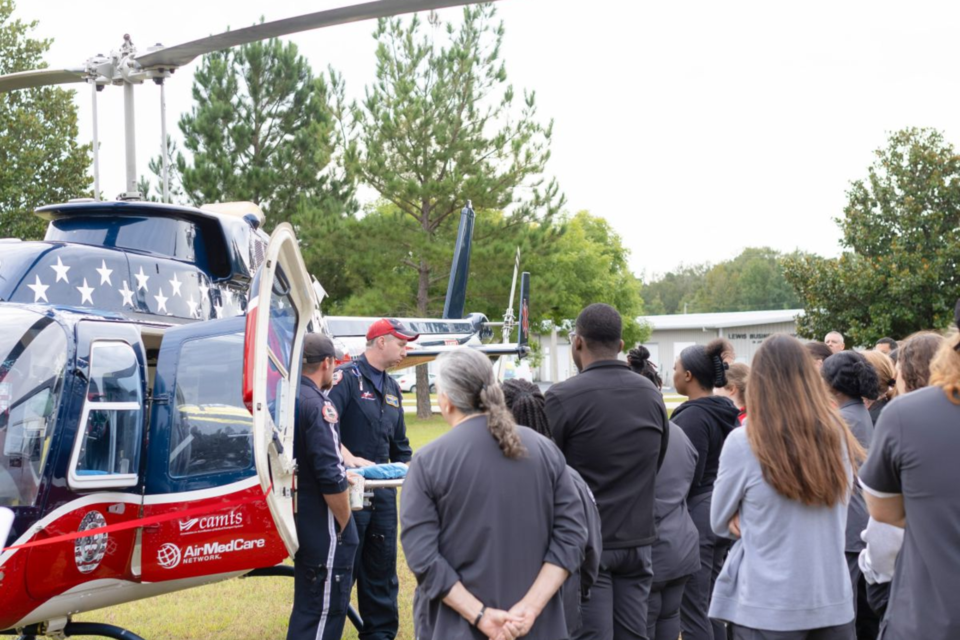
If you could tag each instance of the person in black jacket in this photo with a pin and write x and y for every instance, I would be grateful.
(706, 419)
(326, 531)
(374, 431)
(611, 425)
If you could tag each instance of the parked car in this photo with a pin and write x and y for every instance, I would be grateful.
(408, 381)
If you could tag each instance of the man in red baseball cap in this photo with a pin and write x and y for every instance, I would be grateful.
(373, 431)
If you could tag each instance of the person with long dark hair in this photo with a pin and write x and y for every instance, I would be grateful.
(490, 517)
(781, 492)
(526, 403)
(706, 419)
(850, 379)
(910, 481)
(676, 553)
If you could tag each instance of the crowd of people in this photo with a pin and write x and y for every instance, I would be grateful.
(808, 494)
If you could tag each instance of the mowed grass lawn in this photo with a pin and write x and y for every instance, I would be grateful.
(247, 609)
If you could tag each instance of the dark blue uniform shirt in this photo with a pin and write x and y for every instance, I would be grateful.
(320, 468)
(371, 419)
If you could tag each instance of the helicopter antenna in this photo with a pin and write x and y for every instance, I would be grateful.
(94, 89)
(163, 139)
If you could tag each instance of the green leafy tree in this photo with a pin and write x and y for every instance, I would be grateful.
(41, 159)
(901, 232)
(667, 294)
(438, 129)
(262, 129)
(587, 264)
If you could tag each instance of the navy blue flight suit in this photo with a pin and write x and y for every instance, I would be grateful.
(323, 566)
(372, 427)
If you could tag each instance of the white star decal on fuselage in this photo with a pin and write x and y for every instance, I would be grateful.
(61, 270)
(193, 307)
(176, 286)
(141, 279)
(39, 290)
(85, 292)
(161, 301)
(127, 294)
(104, 273)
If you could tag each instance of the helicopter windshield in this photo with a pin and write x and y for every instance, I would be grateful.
(33, 352)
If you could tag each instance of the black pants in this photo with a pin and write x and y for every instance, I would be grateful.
(375, 569)
(617, 608)
(841, 632)
(322, 581)
(663, 612)
(867, 622)
(694, 620)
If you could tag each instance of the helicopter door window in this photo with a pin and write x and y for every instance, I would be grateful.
(212, 429)
(107, 451)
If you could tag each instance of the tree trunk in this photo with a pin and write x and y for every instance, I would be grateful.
(424, 410)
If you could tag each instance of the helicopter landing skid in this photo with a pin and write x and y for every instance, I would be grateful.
(286, 571)
(74, 629)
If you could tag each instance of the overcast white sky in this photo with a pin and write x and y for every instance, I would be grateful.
(696, 128)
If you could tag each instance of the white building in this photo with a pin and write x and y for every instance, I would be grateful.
(744, 329)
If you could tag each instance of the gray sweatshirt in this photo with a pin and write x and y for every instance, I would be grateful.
(788, 572)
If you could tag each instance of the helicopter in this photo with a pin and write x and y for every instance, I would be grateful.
(149, 373)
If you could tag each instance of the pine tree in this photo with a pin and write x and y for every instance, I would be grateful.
(439, 129)
(41, 159)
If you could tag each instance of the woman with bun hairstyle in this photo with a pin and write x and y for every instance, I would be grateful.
(782, 493)
(850, 379)
(736, 389)
(706, 419)
(887, 376)
(676, 553)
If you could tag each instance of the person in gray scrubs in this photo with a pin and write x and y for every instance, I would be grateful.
(910, 480)
(676, 553)
(491, 523)
(526, 403)
(781, 492)
(851, 379)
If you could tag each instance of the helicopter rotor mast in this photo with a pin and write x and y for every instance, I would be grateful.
(127, 68)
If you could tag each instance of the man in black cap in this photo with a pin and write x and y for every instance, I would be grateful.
(374, 432)
(327, 534)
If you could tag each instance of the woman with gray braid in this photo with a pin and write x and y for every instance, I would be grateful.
(491, 522)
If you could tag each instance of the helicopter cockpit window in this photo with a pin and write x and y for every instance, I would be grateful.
(107, 452)
(212, 429)
(33, 354)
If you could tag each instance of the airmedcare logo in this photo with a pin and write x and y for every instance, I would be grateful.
(170, 556)
(223, 522)
(88, 552)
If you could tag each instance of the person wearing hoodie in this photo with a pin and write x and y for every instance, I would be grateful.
(706, 420)
(676, 553)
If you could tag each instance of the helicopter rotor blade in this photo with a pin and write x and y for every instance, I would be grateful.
(39, 78)
(181, 54)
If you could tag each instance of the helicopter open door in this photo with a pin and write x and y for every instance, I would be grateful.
(281, 307)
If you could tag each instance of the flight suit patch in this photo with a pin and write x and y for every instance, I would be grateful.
(337, 377)
(392, 400)
(330, 413)
(366, 395)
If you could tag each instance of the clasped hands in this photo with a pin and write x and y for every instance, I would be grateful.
(498, 624)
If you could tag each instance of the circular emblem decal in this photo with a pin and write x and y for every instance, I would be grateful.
(88, 552)
(168, 555)
(330, 413)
